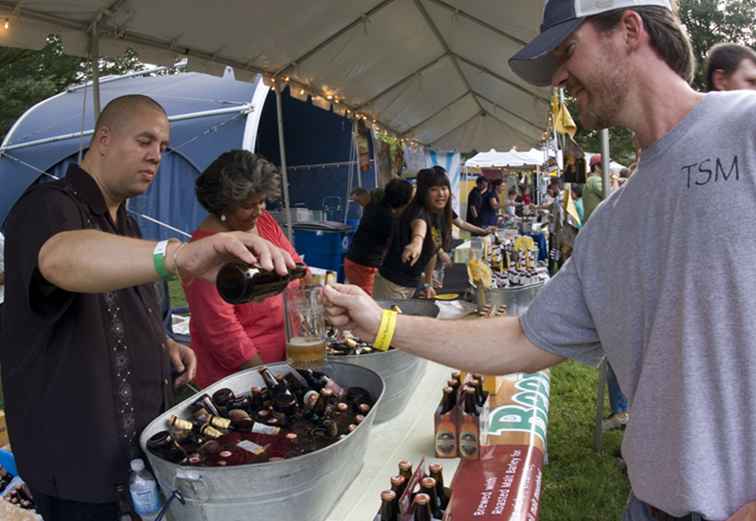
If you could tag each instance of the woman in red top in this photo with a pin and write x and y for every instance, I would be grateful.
(225, 337)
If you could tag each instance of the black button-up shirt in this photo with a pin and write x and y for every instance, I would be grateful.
(82, 374)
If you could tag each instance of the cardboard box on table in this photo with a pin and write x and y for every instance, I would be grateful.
(505, 482)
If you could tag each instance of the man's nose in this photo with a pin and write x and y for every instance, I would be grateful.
(154, 154)
(560, 77)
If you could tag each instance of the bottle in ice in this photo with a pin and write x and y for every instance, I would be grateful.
(239, 283)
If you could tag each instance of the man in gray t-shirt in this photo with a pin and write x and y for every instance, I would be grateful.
(662, 279)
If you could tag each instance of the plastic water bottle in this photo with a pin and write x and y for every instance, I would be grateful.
(144, 491)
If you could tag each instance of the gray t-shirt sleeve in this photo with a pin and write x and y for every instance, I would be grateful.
(559, 322)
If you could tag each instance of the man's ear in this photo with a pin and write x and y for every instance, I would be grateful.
(634, 30)
(103, 137)
(719, 79)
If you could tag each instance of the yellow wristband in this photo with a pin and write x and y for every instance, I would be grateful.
(385, 330)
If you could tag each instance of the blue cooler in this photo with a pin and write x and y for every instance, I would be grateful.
(324, 245)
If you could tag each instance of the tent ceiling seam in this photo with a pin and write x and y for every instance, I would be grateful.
(478, 21)
(360, 20)
(444, 45)
(477, 114)
(403, 80)
(521, 118)
(426, 120)
(482, 68)
(529, 139)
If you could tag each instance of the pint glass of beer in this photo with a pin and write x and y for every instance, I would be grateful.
(305, 327)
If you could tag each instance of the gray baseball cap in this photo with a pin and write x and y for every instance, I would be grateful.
(535, 62)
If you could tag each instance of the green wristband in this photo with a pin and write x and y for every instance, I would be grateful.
(158, 259)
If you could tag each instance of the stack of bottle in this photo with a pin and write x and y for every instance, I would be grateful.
(459, 417)
(415, 496)
(299, 412)
(20, 496)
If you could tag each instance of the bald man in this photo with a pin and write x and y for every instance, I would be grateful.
(85, 361)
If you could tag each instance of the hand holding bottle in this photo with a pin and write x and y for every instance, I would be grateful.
(349, 307)
(205, 257)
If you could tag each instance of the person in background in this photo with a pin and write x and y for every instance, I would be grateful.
(459, 222)
(475, 200)
(730, 66)
(360, 196)
(227, 337)
(372, 238)
(489, 209)
(524, 197)
(577, 195)
(423, 229)
(86, 363)
(593, 191)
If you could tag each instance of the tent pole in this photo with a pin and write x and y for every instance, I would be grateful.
(94, 54)
(284, 174)
(605, 160)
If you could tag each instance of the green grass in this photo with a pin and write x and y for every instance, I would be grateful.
(178, 300)
(580, 484)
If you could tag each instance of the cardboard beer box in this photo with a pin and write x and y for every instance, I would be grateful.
(504, 484)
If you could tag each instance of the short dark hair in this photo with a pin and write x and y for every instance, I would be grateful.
(233, 178)
(397, 193)
(726, 57)
(118, 108)
(577, 190)
(666, 33)
(481, 181)
(359, 191)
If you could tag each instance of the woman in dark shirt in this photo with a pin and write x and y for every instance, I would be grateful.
(369, 244)
(421, 231)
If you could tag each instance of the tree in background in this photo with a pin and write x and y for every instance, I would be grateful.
(708, 22)
(28, 77)
(715, 21)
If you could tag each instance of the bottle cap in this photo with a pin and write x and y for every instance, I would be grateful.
(137, 465)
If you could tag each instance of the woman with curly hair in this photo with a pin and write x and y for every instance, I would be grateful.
(225, 337)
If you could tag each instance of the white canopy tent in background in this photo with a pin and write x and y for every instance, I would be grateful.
(512, 159)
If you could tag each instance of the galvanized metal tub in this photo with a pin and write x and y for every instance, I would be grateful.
(401, 371)
(516, 299)
(306, 487)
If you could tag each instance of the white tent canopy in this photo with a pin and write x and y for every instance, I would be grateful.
(512, 159)
(430, 70)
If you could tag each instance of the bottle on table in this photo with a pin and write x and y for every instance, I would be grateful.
(428, 486)
(421, 510)
(388, 510)
(445, 433)
(436, 471)
(469, 426)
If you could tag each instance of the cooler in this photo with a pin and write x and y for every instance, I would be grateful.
(324, 245)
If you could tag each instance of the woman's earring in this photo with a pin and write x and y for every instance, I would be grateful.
(223, 217)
